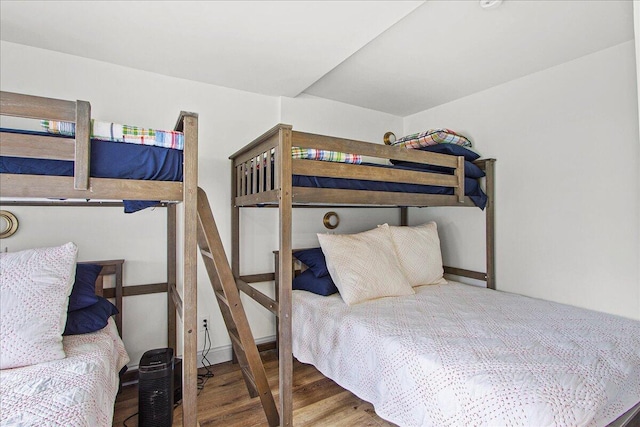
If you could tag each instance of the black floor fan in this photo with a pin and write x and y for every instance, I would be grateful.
(156, 390)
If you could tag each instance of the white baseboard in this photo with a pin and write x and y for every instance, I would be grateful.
(224, 353)
(218, 354)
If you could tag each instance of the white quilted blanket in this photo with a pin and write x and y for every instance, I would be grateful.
(458, 355)
(78, 390)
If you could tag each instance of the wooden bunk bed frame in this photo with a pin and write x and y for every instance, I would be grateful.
(84, 187)
(254, 188)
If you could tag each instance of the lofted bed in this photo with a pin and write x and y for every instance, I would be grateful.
(45, 169)
(264, 174)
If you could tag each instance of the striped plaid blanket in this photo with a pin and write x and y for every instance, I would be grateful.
(114, 132)
(325, 155)
(432, 137)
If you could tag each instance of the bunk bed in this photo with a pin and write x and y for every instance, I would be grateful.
(264, 174)
(81, 388)
(38, 186)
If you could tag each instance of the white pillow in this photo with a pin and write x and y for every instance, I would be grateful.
(418, 250)
(34, 295)
(364, 266)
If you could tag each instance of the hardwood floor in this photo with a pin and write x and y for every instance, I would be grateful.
(224, 400)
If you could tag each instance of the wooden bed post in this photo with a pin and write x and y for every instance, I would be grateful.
(235, 225)
(82, 163)
(171, 275)
(404, 215)
(285, 278)
(490, 223)
(235, 236)
(118, 297)
(190, 279)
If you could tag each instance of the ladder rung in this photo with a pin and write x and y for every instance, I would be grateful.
(222, 297)
(206, 253)
(249, 376)
(235, 338)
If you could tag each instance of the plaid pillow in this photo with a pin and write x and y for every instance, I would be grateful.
(432, 137)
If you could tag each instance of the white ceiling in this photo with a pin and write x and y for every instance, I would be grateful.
(400, 57)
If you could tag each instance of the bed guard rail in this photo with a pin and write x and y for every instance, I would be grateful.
(33, 146)
(259, 166)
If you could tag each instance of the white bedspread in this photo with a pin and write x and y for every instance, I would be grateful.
(458, 355)
(78, 390)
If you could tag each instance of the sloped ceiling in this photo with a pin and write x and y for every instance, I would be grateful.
(399, 57)
(446, 50)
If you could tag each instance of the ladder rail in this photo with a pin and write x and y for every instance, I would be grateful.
(227, 316)
(223, 281)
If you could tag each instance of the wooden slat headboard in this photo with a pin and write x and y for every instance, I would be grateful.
(111, 268)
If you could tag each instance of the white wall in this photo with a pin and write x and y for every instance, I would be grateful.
(636, 30)
(568, 194)
(228, 120)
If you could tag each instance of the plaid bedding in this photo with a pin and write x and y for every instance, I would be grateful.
(113, 132)
(432, 137)
(325, 155)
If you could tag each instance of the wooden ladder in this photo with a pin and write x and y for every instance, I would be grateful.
(226, 292)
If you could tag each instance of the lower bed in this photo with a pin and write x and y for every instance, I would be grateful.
(461, 355)
(79, 390)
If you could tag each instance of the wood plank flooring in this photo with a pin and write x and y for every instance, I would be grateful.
(224, 400)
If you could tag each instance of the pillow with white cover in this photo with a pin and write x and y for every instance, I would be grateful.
(364, 266)
(419, 254)
(34, 294)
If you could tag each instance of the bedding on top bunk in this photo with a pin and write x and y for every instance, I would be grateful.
(79, 390)
(108, 160)
(113, 132)
(455, 354)
(471, 186)
(472, 171)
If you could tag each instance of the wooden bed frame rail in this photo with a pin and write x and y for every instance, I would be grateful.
(84, 187)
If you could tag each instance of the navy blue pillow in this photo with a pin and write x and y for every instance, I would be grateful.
(307, 281)
(453, 149)
(314, 259)
(470, 170)
(90, 319)
(83, 293)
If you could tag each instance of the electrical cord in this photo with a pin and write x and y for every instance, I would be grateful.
(124, 423)
(206, 347)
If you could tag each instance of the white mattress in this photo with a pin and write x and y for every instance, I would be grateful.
(79, 390)
(458, 355)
